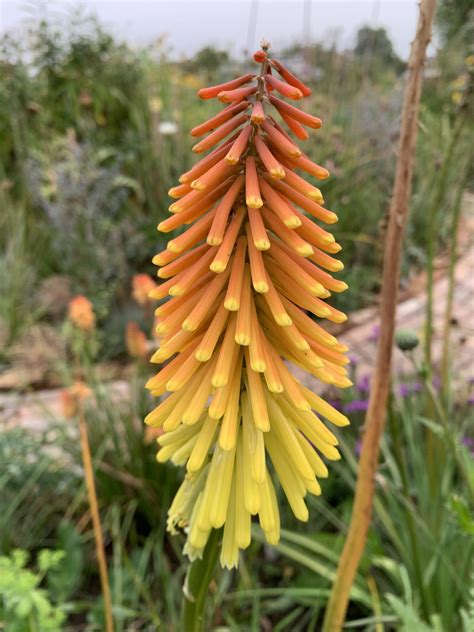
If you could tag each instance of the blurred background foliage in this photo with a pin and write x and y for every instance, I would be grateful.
(93, 133)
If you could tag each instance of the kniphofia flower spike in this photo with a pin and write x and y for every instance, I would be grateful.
(243, 283)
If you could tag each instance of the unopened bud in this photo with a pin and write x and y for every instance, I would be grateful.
(260, 56)
(406, 339)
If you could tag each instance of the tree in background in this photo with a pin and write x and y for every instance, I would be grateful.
(455, 19)
(375, 47)
(208, 60)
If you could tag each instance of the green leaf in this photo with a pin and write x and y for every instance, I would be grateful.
(65, 576)
(463, 514)
(48, 559)
(409, 618)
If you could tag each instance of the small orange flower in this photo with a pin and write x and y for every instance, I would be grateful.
(136, 341)
(152, 434)
(70, 398)
(81, 313)
(142, 284)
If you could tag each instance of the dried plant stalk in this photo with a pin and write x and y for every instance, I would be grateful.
(375, 418)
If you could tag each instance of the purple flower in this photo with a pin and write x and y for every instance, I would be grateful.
(363, 385)
(374, 334)
(356, 406)
(468, 442)
(470, 400)
(335, 403)
(354, 359)
(404, 390)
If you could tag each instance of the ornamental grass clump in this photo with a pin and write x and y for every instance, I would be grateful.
(243, 283)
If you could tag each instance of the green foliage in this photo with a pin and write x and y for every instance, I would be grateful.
(375, 45)
(209, 60)
(455, 20)
(24, 606)
(37, 486)
(17, 271)
(64, 578)
(43, 500)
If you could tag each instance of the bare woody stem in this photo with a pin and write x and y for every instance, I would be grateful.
(375, 418)
(97, 527)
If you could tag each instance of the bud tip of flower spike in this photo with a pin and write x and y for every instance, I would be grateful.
(254, 202)
(175, 290)
(294, 222)
(231, 159)
(306, 250)
(218, 380)
(259, 366)
(171, 246)
(261, 287)
(260, 56)
(262, 244)
(315, 195)
(284, 320)
(278, 173)
(202, 355)
(231, 304)
(149, 419)
(217, 266)
(157, 357)
(174, 207)
(197, 185)
(328, 238)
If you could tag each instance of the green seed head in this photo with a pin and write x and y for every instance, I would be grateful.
(406, 339)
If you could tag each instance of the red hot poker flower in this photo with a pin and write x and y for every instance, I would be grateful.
(240, 280)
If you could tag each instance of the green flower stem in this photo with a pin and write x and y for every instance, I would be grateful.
(453, 246)
(432, 240)
(196, 586)
(433, 446)
(449, 430)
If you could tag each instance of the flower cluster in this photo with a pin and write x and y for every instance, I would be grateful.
(81, 313)
(240, 282)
